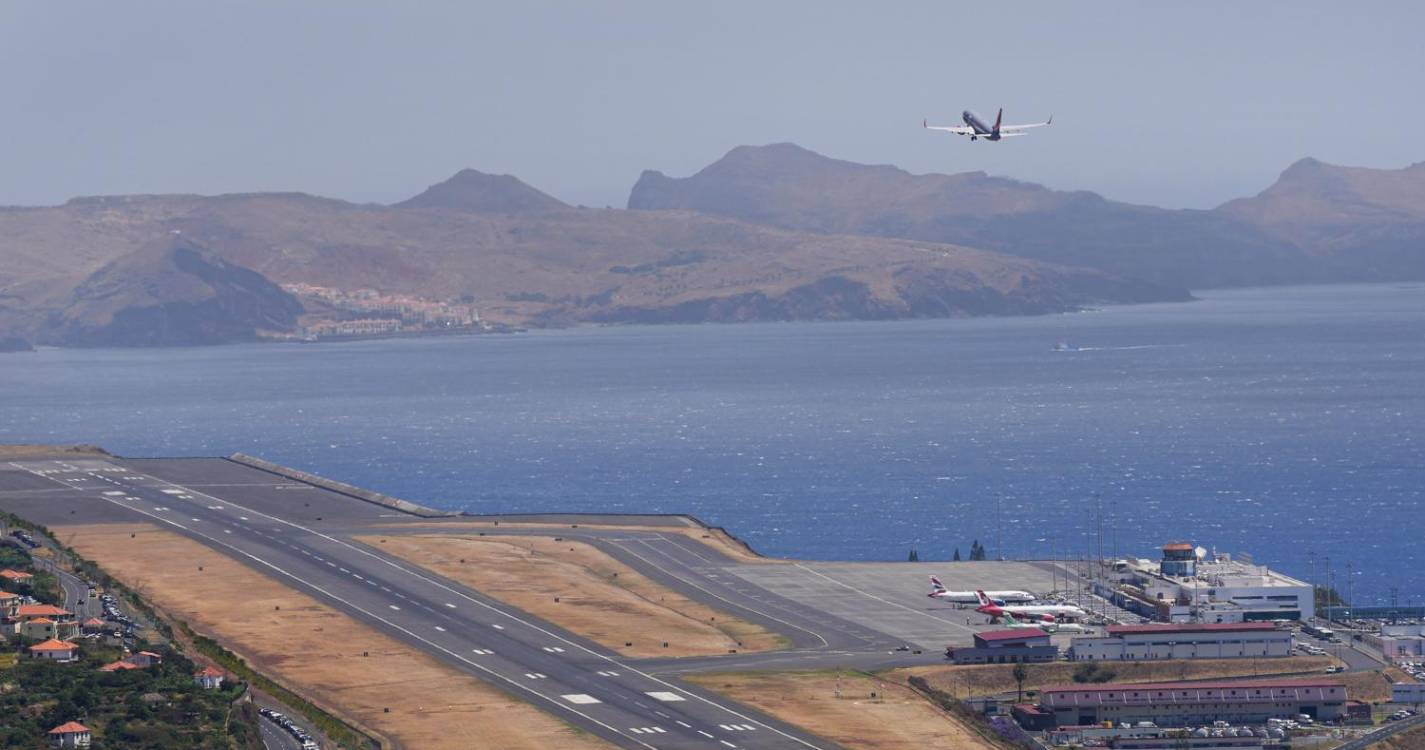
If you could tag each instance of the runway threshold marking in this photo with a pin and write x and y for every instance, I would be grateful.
(581, 699)
(665, 696)
(430, 581)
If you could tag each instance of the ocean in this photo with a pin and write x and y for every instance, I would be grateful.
(1288, 423)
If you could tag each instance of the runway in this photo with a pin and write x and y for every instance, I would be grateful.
(278, 528)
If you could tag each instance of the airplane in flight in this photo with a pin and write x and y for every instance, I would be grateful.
(1045, 612)
(1049, 626)
(977, 129)
(938, 591)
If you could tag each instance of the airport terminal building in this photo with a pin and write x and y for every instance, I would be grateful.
(1189, 584)
(1191, 641)
(1176, 704)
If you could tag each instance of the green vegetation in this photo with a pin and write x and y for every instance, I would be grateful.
(1327, 596)
(1094, 672)
(153, 708)
(242, 721)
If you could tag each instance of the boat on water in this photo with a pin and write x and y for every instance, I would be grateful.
(1063, 346)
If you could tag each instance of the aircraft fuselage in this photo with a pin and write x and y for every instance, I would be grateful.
(981, 129)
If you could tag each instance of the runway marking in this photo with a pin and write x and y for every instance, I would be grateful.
(497, 626)
(705, 734)
(665, 696)
(392, 606)
(715, 595)
(172, 492)
(607, 673)
(581, 699)
(725, 742)
(482, 651)
(448, 604)
(536, 675)
(432, 582)
(245, 518)
(441, 629)
(554, 649)
(114, 492)
(682, 724)
(227, 531)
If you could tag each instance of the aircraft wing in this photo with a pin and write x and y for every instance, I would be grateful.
(1008, 129)
(948, 129)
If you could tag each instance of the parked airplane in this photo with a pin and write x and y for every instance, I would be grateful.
(1049, 626)
(1046, 612)
(938, 591)
(977, 129)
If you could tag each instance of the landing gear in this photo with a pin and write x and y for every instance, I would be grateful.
(974, 138)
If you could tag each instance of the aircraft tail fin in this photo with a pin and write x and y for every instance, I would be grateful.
(936, 584)
(999, 119)
(984, 600)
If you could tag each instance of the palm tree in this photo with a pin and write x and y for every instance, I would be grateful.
(1019, 674)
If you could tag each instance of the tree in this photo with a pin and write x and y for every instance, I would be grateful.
(1020, 673)
(914, 555)
(956, 558)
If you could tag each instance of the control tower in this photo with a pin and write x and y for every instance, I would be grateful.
(1179, 560)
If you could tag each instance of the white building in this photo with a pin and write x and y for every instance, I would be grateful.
(1399, 641)
(70, 734)
(1213, 588)
(1407, 692)
(1194, 641)
(208, 678)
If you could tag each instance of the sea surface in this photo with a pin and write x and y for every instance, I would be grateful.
(1288, 423)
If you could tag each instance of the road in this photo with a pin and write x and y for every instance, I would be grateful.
(572, 678)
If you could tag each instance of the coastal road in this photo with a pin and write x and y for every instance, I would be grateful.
(571, 678)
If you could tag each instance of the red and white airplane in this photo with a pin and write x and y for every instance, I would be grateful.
(938, 591)
(1042, 612)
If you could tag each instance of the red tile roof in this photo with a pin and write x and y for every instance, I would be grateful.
(69, 727)
(15, 575)
(8, 595)
(1234, 685)
(53, 645)
(1214, 627)
(208, 672)
(116, 666)
(42, 610)
(43, 621)
(94, 621)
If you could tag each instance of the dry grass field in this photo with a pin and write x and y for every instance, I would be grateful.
(989, 679)
(897, 718)
(14, 452)
(349, 669)
(717, 539)
(578, 587)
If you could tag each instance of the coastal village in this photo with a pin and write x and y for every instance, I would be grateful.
(363, 313)
(84, 673)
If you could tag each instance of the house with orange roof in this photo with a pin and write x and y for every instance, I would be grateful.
(144, 659)
(16, 578)
(208, 678)
(70, 734)
(54, 650)
(119, 666)
(9, 605)
(39, 629)
(31, 611)
(93, 625)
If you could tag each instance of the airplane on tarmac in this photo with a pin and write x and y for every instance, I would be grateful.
(1049, 626)
(938, 591)
(977, 129)
(1045, 612)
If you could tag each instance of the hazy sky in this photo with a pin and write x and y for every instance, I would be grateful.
(1178, 104)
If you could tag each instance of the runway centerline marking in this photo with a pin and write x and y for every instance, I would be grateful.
(437, 584)
(492, 673)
